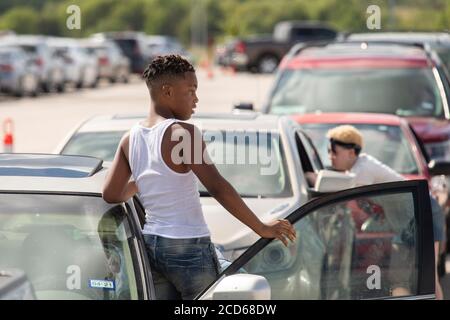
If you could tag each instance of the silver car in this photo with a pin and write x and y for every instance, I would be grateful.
(49, 65)
(157, 45)
(72, 245)
(80, 67)
(272, 184)
(18, 72)
(112, 63)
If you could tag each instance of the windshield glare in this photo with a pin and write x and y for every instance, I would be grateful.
(404, 92)
(264, 173)
(395, 151)
(101, 145)
(70, 247)
(252, 162)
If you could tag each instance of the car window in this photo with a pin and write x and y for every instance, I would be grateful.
(30, 49)
(353, 245)
(101, 145)
(5, 56)
(70, 247)
(128, 46)
(395, 151)
(444, 55)
(253, 162)
(308, 154)
(404, 92)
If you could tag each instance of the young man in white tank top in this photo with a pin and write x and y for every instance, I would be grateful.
(181, 254)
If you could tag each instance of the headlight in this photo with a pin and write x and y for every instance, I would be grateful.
(274, 257)
(439, 150)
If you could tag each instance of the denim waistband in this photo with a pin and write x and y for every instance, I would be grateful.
(158, 240)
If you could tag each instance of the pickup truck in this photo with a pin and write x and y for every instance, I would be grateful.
(262, 53)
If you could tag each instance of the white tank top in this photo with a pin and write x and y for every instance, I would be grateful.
(171, 199)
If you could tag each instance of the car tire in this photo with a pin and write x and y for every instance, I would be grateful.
(267, 63)
(61, 87)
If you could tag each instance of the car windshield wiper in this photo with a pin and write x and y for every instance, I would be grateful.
(243, 195)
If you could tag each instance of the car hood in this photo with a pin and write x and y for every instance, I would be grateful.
(229, 232)
(431, 129)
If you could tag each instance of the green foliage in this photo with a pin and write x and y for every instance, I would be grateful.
(20, 19)
(183, 18)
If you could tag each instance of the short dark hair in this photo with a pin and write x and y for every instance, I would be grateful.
(163, 67)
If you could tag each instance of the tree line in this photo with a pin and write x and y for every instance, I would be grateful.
(221, 18)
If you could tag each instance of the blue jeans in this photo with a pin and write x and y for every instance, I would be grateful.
(181, 268)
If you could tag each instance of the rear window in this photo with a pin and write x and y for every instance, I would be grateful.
(5, 56)
(29, 49)
(70, 247)
(399, 91)
(128, 46)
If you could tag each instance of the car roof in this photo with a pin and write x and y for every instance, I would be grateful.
(419, 37)
(351, 118)
(358, 54)
(207, 121)
(51, 173)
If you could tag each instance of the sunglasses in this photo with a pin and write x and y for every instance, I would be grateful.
(333, 143)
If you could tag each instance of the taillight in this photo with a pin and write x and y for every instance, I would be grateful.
(103, 61)
(239, 47)
(39, 61)
(6, 68)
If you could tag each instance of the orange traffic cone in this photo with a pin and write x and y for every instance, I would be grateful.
(210, 73)
(8, 139)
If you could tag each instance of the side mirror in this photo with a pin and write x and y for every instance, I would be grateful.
(437, 168)
(248, 106)
(242, 287)
(14, 285)
(332, 181)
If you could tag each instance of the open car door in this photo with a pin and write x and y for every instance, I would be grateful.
(371, 242)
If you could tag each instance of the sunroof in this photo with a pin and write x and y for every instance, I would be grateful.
(48, 165)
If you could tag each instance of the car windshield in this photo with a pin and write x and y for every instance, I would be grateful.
(404, 92)
(395, 151)
(264, 173)
(101, 145)
(253, 162)
(70, 247)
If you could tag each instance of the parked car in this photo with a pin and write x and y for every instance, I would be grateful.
(18, 72)
(388, 138)
(270, 196)
(112, 63)
(80, 67)
(264, 52)
(157, 45)
(55, 226)
(14, 285)
(132, 45)
(49, 65)
(391, 140)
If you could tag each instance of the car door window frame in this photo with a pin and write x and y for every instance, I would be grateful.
(425, 254)
(143, 290)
